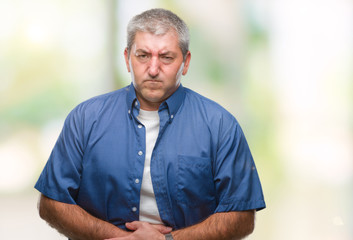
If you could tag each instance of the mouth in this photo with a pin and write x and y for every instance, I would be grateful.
(153, 84)
(153, 81)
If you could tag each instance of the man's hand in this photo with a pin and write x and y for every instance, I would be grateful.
(224, 225)
(144, 230)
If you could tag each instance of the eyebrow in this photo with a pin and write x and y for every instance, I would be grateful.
(141, 51)
(160, 54)
(168, 53)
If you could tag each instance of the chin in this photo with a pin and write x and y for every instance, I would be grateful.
(154, 93)
(155, 99)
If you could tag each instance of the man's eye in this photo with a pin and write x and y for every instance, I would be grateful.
(143, 57)
(167, 59)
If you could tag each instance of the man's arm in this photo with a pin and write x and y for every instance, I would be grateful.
(219, 226)
(74, 222)
(224, 225)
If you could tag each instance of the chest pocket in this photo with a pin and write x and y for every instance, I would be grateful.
(195, 183)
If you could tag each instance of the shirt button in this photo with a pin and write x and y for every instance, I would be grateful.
(128, 111)
(137, 180)
(139, 126)
(140, 153)
(171, 116)
(136, 103)
(134, 209)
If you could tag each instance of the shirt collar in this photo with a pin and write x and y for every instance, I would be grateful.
(173, 103)
(130, 97)
(175, 100)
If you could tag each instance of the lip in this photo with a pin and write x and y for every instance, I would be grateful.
(153, 80)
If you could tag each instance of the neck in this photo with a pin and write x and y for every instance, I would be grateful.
(147, 105)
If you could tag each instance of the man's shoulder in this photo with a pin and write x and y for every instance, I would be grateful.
(104, 102)
(211, 112)
(110, 96)
(105, 99)
(204, 103)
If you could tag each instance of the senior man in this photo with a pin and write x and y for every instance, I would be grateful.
(153, 160)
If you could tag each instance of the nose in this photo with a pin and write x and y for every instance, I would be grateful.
(154, 67)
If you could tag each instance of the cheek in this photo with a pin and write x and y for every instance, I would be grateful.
(170, 71)
(137, 71)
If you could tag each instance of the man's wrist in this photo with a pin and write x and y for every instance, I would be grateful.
(169, 236)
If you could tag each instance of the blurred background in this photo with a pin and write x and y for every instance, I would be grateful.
(284, 68)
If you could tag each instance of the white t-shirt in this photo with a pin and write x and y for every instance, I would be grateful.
(148, 205)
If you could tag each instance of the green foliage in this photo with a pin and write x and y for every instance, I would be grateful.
(35, 91)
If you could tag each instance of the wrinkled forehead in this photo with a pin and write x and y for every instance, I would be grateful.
(158, 32)
(146, 41)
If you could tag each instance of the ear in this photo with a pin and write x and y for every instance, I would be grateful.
(126, 55)
(187, 63)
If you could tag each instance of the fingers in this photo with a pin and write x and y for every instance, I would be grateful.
(163, 229)
(117, 238)
(138, 224)
(133, 225)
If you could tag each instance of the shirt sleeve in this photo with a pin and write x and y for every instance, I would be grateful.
(60, 178)
(236, 179)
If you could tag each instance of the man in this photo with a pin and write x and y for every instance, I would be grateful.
(153, 160)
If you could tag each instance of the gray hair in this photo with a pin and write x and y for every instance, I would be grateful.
(158, 21)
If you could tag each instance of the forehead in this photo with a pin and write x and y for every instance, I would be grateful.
(156, 43)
